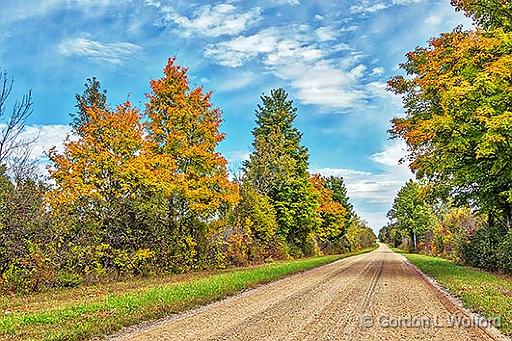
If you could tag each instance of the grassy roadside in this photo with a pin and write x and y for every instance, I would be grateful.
(483, 292)
(81, 313)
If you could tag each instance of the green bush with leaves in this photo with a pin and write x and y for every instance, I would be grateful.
(480, 249)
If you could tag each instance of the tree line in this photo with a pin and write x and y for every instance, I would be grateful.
(458, 129)
(144, 192)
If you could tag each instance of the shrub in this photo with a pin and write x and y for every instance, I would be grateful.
(33, 273)
(504, 254)
(480, 247)
(18, 279)
(66, 279)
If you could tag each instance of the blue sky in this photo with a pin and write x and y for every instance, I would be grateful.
(333, 57)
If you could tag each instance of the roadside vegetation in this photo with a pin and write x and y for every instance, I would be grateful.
(480, 291)
(146, 193)
(457, 98)
(80, 313)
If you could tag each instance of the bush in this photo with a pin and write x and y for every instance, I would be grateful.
(480, 248)
(29, 275)
(504, 254)
(18, 279)
(66, 279)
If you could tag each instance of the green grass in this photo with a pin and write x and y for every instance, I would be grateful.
(480, 291)
(81, 313)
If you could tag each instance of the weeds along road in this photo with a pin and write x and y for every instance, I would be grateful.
(374, 296)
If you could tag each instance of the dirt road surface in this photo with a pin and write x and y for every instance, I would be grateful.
(374, 296)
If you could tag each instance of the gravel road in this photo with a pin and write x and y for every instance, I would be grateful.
(374, 296)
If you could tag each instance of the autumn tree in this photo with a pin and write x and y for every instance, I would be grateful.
(92, 97)
(333, 209)
(488, 14)
(101, 180)
(278, 166)
(457, 121)
(183, 125)
(336, 185)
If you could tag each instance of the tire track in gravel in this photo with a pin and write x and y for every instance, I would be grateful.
(326, 303)
(342, 315)
(248, 303)
(305, 306)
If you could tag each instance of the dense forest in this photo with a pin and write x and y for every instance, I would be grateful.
(458, 128)
(145, 192)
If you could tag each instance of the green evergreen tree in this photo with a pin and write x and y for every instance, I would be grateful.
(339, 193)
(278, 167)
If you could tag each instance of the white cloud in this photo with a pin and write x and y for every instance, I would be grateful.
(365, 8)
(351, 28)
(154, 3)
(343, 172)
(235, 162)
(114, 53)
(378, 89)
(286, 2)
(325, 34)
(366, 188)
(236, 82)
(379, 70)
(46, 137)
(297, 55)
(392, 154)
(238, 156)
(325, 85)
(23, 10)
(433, 20)
(237, 51)
(372, 193)
(274, 45)
(319, 17)
(405, 2)
(213, 21)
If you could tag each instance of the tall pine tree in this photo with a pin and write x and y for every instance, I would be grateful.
(278, 167)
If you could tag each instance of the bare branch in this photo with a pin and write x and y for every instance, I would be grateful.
(12, 147)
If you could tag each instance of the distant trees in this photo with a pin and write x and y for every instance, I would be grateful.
(411, 214)
(138, 193)
(457, 123)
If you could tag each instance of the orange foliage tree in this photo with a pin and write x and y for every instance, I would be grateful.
(101, 182)
(332, 213)
(184, 126)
